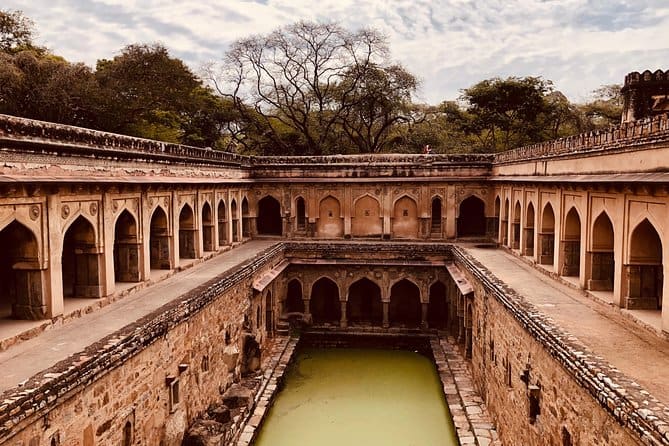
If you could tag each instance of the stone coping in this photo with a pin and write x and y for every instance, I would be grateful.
(625, 400)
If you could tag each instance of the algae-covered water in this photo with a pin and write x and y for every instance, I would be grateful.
(366, 397)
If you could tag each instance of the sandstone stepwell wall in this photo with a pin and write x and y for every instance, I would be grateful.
(518, 352)
(88, 399)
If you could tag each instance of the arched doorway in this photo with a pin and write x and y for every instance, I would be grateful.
(364, 303)
(644, 278)
(207, 228)
(515, 227)
(222, 224)
(20, 274)
(405, 306)
(435, 220)
(366, 220)
(325, 306)
(405, 218)
(294, 302)
(495, 230)
(235, 220)
(330, 224)
(601, 255)
(159, 240)
(571, 244)
(547, 236)
(186, 233)
(528, 231)
(301, 218)
(126, 249)
(246, 219)
(269, 217)
(471, 217)
(505, 224)
(437, 309)
(81, 261)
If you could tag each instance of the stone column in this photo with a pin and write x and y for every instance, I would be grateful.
(386, 307)
(307, 310)
(423, 315)
(343, 323)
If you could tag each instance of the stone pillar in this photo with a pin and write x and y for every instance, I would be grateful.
(343, 323)
(307, 310)
(423, 315)
(107, 231)
(386, 308)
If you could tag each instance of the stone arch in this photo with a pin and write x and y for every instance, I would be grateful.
(498, 206)
(330, 224)
(364, 303)
(234, 215)
(269, 216)
(471, 217)
(294, 302)
(21, 287)
(405, 306)
(505, 223)
(246, 219)
(571, 244)
(515, 226)
(301, 214)
(324, 303)
(187, 232)
(207, 227)
(528, 230)
(405, 218)
(435, 215)
(127, 248)
(159, 240)
(222, 223)
(547, 235)
(644, 278)
(81, 260)
(366, 220)
(601, 254)
(437, 308)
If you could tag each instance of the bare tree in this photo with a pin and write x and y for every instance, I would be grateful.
(304, 79)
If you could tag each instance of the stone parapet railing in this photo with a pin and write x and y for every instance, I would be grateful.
(83, 141)
(625, 400)
(653, 129)
(375, 158)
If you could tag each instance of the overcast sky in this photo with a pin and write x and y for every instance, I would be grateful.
(448, 44)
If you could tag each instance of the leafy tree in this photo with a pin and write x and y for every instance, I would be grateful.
(301, 85)
(605, 108)
(16, 31)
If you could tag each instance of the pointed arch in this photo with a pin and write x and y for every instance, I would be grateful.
(294, 302)
(505, 223)
(471, 217)
(81, 260)
(127, 248)
(366, 220)
(601, 254)
(405, 306)
(187, 232)
(547, 235)
(21, 282)
(515, 226)
(269, 216)
(246, 219)
(330, 224)
(571, 244)
(222, 223)
(301, 214)
(496, 220)
(528, 231)
(364, 303)
(207, 227)
(234, 215)
(435, 216)
(405, 218)
(324, 303)
(159, 240)
(644, 278)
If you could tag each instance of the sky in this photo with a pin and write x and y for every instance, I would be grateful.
(448, 44)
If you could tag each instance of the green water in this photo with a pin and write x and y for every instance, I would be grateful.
(350, 397)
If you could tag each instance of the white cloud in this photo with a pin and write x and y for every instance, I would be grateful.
(449, 44)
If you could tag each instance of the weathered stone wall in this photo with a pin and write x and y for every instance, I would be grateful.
(195, 343)
(518, 355)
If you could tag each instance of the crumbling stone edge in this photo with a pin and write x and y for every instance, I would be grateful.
(627, 402)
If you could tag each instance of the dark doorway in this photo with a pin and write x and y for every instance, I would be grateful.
(437, 309)
(159, 240)
(186, 233)
(405, 307)
(325, 305)
(80, 261)
(269, 217)
(435, 224)
(471, 219)
(207, 228)
(246, 219)
(364, 303)
(235, 221)
(301, 214)
(294, 302)
(222, 224)
(126, 249)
